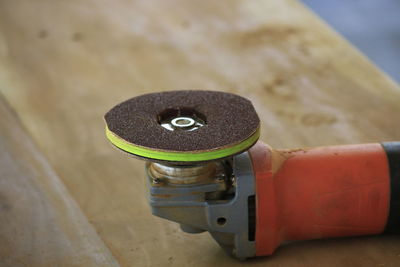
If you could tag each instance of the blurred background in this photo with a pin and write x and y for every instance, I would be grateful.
(68, 198)
(371, 25)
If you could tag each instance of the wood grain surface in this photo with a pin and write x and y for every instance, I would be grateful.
(63, 64)
(40, 224)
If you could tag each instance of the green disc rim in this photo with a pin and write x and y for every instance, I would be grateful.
(181, 156)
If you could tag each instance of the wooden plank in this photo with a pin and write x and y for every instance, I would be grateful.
(40, 224)
(65, 63)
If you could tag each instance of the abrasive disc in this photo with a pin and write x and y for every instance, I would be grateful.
(183, 126)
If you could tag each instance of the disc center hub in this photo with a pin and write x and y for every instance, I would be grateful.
(182, 122)
(181, 119)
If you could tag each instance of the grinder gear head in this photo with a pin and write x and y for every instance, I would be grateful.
(193, 142)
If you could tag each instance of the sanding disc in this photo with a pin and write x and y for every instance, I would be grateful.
(183, 126)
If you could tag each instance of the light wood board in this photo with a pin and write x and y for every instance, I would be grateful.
(63, 64)
(40, 224)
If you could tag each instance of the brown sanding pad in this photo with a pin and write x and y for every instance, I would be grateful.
(231, 125)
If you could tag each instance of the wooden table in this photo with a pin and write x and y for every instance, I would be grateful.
(68, 199)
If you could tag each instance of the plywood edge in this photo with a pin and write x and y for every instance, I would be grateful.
(40, 223)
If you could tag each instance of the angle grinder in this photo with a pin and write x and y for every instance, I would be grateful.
(207, 171)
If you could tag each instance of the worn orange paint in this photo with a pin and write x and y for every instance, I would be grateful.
(319, 193)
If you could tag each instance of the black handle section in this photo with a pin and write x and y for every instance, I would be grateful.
(393, 153)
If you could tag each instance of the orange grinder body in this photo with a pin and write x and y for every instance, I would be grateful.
(325, 192)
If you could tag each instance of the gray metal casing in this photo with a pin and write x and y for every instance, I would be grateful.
(188, 206)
